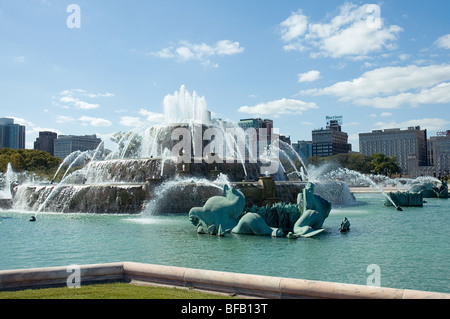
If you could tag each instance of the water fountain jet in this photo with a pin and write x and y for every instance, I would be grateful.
(145, 162)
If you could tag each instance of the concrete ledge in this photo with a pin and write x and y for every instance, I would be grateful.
(154, 273)
(217, 281)
(57, 276)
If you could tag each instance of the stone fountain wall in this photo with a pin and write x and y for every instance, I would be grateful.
(99, 199)
(133, 185)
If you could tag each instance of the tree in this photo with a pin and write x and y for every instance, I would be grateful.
(17, 162)
(385, 165)
(39, 162)
(373, 164)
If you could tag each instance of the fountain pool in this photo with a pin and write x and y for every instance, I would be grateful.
(410, 247)
(105, 212)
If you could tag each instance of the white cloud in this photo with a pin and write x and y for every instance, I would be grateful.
(439, 94)
(310, 76)
(186, 51)
(404, 56)
(350, 33)
(386, 114)
(431, 124)
(64, 119)
(279, 107)
(152, 117)
(294, 26)
(76, 98)
(95, 121)
(134, 121)
(393, 87)
(21, 121)
(107, 94)
(131, 121)
(443, 42)
(69, 101)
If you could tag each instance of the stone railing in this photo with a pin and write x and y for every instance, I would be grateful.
(216, 281)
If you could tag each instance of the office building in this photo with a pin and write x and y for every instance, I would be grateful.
(285, 139)
(408, 146)
(303, 148)
(11, 135)
(330, 141)
(439, 154)
(258, 124)
(67, 144)
(46, 142)
(264, 132)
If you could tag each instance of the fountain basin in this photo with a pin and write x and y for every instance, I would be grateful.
(405, 199)
(100, 199)
(5, 203)
(154, 196)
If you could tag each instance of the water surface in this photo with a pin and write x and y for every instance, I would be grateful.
(410, 247)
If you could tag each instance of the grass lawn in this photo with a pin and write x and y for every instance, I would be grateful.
(110, 291)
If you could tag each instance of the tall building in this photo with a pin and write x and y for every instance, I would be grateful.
(439, 154)
(408, 146)
(330, 141)
(285, 139)
(303, 148)
(258, 124)
(67, 144)
(11, 135)
(46, 142)
(264, 130)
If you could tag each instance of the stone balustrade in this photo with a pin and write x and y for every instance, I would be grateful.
(217, 281)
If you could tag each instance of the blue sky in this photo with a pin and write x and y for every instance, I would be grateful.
(378, 64)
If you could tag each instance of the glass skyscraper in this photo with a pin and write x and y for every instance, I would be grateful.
(11, 135)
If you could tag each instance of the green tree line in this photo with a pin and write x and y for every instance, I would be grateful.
(378, 164)
(39, 162)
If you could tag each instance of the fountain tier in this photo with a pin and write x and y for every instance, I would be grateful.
(171, 167)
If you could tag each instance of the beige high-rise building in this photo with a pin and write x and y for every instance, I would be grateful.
(408, 146)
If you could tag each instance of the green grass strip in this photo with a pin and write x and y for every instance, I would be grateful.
(110, 291)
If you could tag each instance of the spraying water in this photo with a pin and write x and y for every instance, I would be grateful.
(67, 161)
(146, 152)
(184, 107)
(98, 155)
(352, 177)
(10, 176)
(297, 156)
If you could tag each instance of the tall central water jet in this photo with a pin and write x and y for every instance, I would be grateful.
(184, 150)
(184, 107)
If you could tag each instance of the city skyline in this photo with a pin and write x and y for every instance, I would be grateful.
(88, 67)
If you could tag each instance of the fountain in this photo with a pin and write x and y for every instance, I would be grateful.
(5, 192)
(402, 192)
(10, 176)
(178, 164)
(170, 167)
(355, 178)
